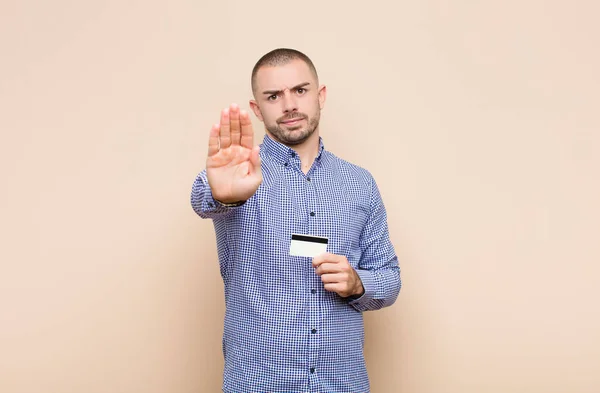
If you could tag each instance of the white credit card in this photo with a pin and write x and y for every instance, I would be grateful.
(307, 245)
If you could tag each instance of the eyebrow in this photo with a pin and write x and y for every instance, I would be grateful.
(271, 92)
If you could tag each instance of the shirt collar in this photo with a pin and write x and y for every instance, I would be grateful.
(282, 153)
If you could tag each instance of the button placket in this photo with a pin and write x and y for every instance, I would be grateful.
(315, 280)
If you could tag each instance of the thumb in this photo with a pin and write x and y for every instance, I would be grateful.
(255, 160)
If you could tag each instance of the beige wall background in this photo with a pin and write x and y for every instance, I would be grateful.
(478, 119)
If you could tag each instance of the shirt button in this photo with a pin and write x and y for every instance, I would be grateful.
(286, 164)
(312, 214)
(312, 370)
(211, 204)
(308, 178)
(313, 291)
(313, 331)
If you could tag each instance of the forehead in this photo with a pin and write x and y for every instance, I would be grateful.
(284, 76)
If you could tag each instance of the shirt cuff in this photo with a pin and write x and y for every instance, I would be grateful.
(211, 205)
(368, 283)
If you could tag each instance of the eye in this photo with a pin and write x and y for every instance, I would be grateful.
(300, 90)
(272, 97)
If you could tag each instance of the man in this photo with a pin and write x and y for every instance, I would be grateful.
(293, 323)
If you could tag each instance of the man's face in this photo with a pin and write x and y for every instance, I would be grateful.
(289, 101)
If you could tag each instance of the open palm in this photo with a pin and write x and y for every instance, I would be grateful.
(233, 163)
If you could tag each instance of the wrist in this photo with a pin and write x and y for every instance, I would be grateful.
(359, 290)
(225, 201)
(229, 203)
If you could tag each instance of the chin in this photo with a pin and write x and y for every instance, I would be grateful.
(295, 142)
(291, 137)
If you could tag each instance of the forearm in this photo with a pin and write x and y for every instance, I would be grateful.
(203, 202)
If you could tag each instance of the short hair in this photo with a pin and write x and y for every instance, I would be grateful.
(279, 57)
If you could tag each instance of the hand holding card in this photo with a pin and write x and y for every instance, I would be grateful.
(338, 275)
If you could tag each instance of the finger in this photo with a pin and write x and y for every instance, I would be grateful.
(322, 258)
(334, 287)
(328, 267)
(234, 119)
(333, 277)
(247, 136)
(225, 136)
(213, 140)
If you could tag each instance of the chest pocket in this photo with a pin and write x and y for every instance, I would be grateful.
(345, 214)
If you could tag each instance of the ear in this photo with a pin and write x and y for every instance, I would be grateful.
(256, 109)
(322, 96)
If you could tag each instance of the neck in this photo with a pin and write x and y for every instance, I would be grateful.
(308, 151)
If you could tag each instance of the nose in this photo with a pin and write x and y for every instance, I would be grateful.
(289, 102)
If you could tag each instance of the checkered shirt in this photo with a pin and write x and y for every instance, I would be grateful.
(283, 331)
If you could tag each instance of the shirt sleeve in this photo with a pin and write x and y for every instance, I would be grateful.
(203, 202)
(378, 267)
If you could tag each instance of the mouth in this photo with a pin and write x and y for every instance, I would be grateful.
(292, 122)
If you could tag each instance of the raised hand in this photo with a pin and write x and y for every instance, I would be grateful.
(233, 163)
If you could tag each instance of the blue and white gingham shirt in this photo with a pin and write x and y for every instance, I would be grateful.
(283, 331)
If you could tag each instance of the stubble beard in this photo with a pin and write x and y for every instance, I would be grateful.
(294, 135)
